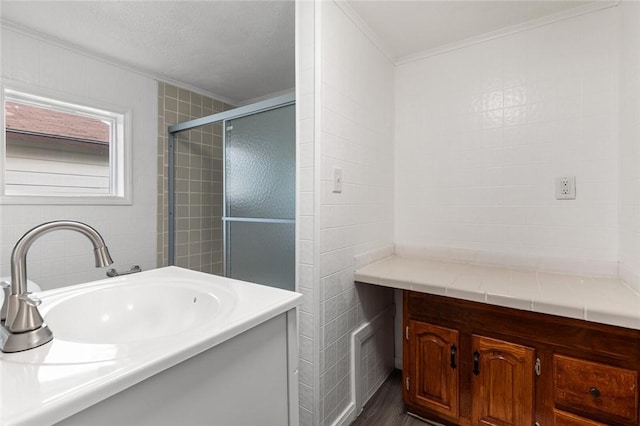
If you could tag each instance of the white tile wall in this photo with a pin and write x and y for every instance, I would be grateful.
(307, 233)
(629, 145)
(64, 257)
(356, 116)
(483, 131)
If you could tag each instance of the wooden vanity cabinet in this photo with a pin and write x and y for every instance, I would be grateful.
(468, 363)
(596, 388)
(562, 418)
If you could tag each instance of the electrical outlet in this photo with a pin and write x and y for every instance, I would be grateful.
(566, 188)
(337, 180)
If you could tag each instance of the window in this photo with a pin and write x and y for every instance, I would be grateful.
(61, 152)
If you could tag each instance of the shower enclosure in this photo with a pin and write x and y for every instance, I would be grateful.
(232, 193)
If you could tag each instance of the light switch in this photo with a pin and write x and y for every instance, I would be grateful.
(337, 180)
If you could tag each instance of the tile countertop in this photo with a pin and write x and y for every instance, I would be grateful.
(597, 299)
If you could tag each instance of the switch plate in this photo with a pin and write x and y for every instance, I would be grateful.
(566, 188)
(337, 180)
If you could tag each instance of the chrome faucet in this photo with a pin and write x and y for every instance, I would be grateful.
(21, 325)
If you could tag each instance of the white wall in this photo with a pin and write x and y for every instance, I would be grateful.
(630, 143)
(483, 131)
(345, 120)
(355, 118)
(306, 219)
(65, 257)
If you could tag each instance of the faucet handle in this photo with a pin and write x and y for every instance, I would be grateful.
(6, 290)
(27, 317)
(30, 300)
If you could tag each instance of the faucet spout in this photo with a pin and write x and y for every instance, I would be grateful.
(103, 258)
(23, 326)
(19, 254)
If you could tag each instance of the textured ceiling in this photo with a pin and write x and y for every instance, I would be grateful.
(244, 50)
(237, 50)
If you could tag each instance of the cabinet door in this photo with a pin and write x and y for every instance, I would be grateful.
(433, 368)
(503, 383)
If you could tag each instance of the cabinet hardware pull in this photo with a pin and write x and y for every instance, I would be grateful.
(594, 392)
(407, 383)
(538, 367)
(476, 363)
(453, 356)
(406, 333)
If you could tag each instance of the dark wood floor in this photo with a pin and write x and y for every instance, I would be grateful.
(385, 408)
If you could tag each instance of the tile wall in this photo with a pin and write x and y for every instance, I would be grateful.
(344, 92)
(629, 143)
(355, 135)
(483, 131)
(64, 257)
(199, 188)
(307, 269)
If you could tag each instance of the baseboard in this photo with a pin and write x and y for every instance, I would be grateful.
(346, 417)
(397, 363)
(429, 422)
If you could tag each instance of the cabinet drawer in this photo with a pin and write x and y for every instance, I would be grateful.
(561, 418)
(595, 388)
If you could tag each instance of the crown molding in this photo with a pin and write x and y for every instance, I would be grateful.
(513, 29)
(366, 30)
(110, 60)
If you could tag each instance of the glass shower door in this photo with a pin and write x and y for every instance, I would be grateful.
(259, 216)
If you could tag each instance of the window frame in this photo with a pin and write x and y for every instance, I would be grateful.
(120, 152)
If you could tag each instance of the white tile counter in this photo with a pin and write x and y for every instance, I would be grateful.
(603, 300)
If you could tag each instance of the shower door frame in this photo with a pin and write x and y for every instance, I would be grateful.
(221, 117)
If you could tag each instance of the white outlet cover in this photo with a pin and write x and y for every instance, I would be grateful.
(566, 188)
